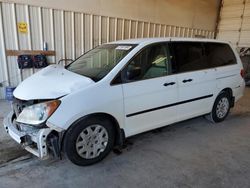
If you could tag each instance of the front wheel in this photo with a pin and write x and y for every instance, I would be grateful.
(221, 108)
(89, 141)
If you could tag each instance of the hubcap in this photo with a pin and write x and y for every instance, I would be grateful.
(92, 141)
(222, 108)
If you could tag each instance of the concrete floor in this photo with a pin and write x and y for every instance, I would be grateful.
(194, 153)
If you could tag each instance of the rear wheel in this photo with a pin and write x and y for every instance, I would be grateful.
(89, 141)
(221, 108)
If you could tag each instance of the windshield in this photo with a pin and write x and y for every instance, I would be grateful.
(98, 62)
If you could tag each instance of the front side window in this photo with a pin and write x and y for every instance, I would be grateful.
(151, 62)
(97, 63)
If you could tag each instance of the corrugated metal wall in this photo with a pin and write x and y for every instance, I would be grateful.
(234, 25)
(68, 33)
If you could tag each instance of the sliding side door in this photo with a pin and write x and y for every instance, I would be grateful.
(196, 80)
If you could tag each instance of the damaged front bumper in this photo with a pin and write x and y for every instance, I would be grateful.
(32, 139)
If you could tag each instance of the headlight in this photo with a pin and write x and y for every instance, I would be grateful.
(38, 113)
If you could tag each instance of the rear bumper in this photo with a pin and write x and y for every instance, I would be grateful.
(34, 140)
(239, 91)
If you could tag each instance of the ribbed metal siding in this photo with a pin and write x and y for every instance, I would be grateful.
(245, 29)
(234, 25)
(68, 33)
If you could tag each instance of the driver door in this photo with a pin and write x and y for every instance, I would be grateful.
(150, 90)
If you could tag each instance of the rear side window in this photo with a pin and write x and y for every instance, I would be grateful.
(188, 56)
(192, 56)
(219, 55)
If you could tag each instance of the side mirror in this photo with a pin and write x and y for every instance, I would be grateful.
(133, 72)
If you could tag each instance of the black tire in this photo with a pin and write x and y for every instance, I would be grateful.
(73, 133)
(213, 116)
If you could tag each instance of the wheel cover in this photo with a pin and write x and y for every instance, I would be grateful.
(222, 108)
(92, 141)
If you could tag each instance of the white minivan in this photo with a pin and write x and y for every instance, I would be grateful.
(120, 89)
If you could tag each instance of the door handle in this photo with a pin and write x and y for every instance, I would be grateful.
(188, 80)
(169, 84)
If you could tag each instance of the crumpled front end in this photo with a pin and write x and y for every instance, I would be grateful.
(42, 141)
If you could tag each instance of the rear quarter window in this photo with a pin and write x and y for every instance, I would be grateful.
(219, 54)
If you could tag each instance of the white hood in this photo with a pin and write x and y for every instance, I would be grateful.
(52, 82)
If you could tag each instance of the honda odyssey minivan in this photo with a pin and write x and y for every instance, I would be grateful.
(120, 89)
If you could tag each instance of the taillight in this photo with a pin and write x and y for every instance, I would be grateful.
(242, 73)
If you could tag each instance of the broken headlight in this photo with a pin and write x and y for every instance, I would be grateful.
(38, 113)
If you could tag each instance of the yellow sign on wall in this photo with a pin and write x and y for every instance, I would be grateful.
(22, 27)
